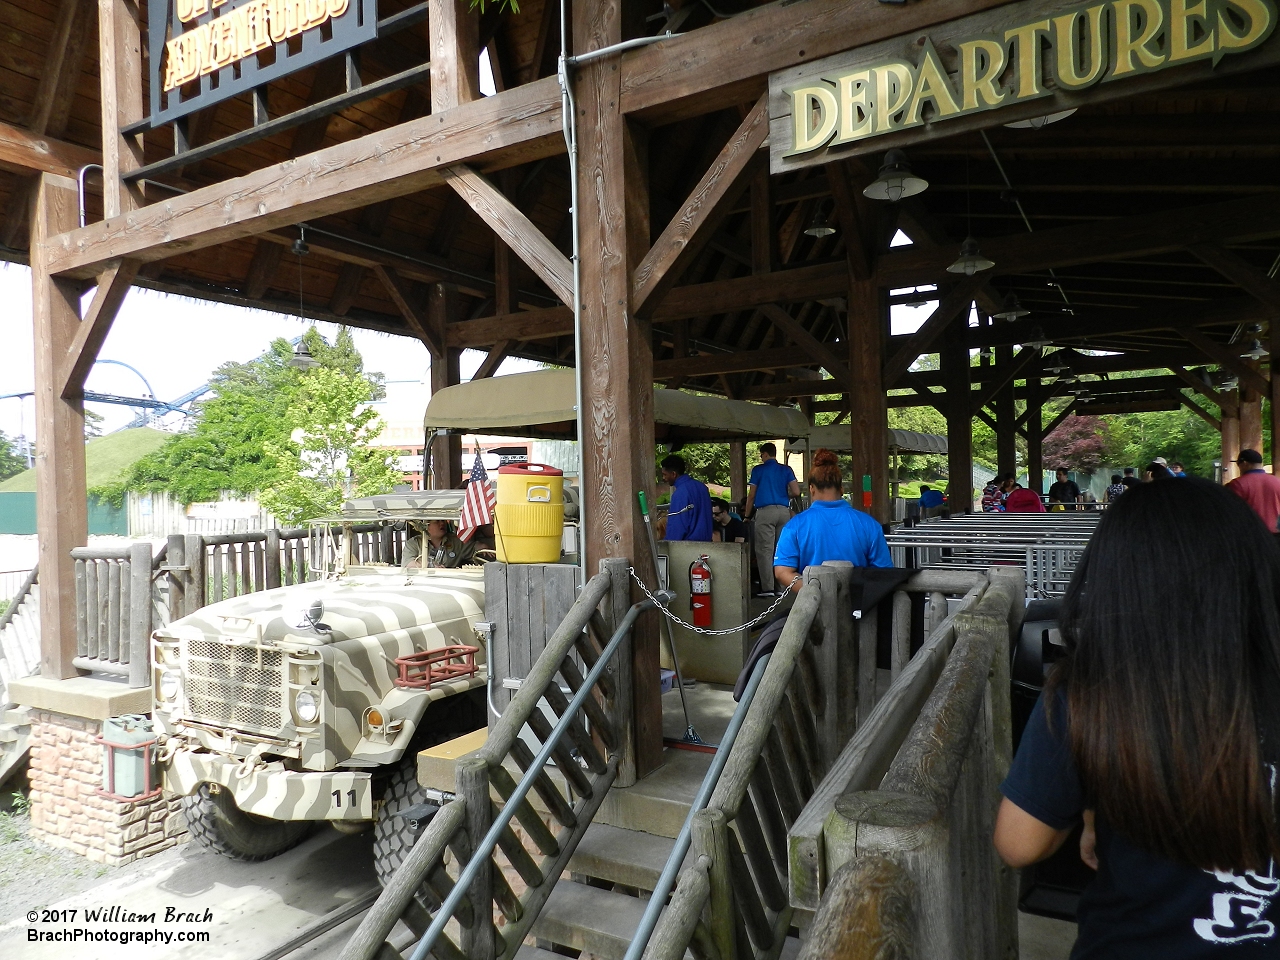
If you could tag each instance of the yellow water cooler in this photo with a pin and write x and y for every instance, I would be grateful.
(529, 517)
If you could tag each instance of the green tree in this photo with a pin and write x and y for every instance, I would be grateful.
(11, 461)
(326, 457)
(246, 409)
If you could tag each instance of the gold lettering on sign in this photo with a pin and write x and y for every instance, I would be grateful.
(245, 31)
(1095, 42)
(981, 63)
(1066, 33)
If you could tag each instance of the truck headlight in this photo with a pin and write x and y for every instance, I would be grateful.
(169, 685)
(307, 706)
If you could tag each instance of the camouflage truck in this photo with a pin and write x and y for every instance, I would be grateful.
(306, 704)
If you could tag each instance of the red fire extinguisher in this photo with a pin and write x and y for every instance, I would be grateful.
(700, 591)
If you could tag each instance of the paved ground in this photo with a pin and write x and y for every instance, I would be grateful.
(248, 910)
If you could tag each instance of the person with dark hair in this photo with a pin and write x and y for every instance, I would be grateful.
(1160, 728)
(829, 530)
(1259, 489)
(1115, 489)
(992, 501)
(1129, 480)
(689, 515)
(726, 528)
(435, 543)
(769, 491)
(930, 499)
(1175, 470)
(1065, 491)
(1156, 470)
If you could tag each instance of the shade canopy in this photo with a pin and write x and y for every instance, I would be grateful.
(541, 404)
(837, 437)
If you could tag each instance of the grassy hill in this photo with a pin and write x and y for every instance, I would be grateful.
(106, 458)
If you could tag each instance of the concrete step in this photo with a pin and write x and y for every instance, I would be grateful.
(628, 857)
(659, 803)
(8, 733)
(527, 952)
(18, 716)
(598, 921)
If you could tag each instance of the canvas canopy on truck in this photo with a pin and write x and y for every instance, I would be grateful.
(836, 437)
(541, 404)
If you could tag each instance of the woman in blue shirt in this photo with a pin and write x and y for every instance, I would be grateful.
(829, 530)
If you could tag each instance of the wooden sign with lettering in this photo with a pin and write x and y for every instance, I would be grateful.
(1014, 62)
(204, 51)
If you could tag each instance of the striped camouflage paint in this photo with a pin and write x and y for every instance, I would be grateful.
(242, 665)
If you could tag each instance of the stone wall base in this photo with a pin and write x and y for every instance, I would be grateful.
(68, 812)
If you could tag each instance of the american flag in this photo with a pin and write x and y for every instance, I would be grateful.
(477, 505)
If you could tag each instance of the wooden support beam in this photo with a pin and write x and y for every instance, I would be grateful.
(113, 286)
(764, 253)
(726, 63)
(454, 29)
(266, 261)
(787, 389)
(989, 421)
(856, 221)
(743, 361)
(954, 360)
(119, 69)
(1005, 376)
(345, 288)
(616, 364)
(1274, 396)
(702, 213)
(22, 151)
(1227, 358)
(1242, 273)
(1195, 408)
(868, 421)
(1033, 418)
(516, 230)
(1146, 234)
(819, 352)
(954, 303)
(414, 316)
(497, 353)
(544, 324)
(1198, 385)
(400, 160)
(729, 296)
(61, 496)
(446, 452)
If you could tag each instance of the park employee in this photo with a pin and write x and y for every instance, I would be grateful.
(769, 491)
(689, 516)
(829, 530)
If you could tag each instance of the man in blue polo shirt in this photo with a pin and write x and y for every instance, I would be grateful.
(689, 516)
(769, 491)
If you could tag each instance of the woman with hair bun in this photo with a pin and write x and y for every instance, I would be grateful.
(829, 530)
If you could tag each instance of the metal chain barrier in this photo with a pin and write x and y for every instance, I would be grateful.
(703, 630)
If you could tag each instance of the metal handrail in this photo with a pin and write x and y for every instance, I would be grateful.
(670, 870)
(484, 849)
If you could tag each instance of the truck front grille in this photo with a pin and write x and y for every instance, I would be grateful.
(235, 685)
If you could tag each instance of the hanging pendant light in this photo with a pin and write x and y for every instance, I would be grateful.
(818, 226)
(1038, 123)
(1057, 368)
(302, 358)
(895, 179)
(1256, 352)
(971, 260)
(1013, 309)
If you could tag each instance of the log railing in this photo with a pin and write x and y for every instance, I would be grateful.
(116, 609)
(818, 688)
(913, 870)
(519, 862)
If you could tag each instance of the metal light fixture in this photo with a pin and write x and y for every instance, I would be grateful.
(971, 260)
(1037, 123)
(302, 358)
(1058, 366)
(895, 179)
(818, 226)
(300, 247)
(1012, 310)
(1037, 344)
(1255, 352)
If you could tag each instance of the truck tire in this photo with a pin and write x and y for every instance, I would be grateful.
(392, 836)
(217, 824)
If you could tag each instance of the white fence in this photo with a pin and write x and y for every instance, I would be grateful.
(159, 515)
(11, 582)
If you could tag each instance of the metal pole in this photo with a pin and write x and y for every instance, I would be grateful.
(690, 734)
